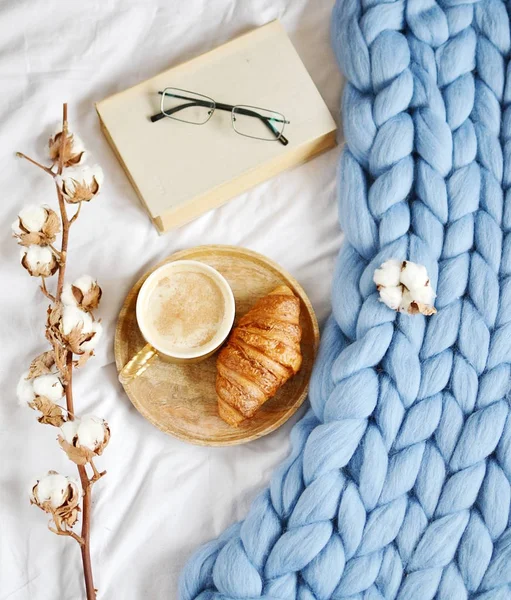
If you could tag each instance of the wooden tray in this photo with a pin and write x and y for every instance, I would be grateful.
(181, 399)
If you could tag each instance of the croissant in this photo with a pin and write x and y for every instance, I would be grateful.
(261, 354)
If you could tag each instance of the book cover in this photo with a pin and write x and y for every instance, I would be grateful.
(181, 170)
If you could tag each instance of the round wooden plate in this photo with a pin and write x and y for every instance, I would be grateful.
(181, 399)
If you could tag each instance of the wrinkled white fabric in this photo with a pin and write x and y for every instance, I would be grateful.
(162, 498)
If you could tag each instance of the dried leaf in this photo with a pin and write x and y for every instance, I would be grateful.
(71, 157)
(54, 314)
(56, 339)
(52, 414)
(79, 455)
(75, 338)
(419, 307)
(54, 145)
(67, 516)
(77, 293)
(24, 263)
(74, 160)
(91, 298)
(41, 365)
(60, 361)
(51, 227)
(32, 238)
(83, 358)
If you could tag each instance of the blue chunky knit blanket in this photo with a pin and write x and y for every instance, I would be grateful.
(398, 484)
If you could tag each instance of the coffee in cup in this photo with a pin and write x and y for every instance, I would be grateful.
(185, 311)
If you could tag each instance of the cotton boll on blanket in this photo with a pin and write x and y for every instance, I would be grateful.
(405, 287)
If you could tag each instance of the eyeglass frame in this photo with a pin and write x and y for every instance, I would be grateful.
(233, 109)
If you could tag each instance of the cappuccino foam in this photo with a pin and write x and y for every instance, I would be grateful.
(185, 310)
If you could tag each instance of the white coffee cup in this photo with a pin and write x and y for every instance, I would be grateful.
(173, 307)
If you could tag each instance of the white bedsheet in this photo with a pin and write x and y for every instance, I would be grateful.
(161, 498)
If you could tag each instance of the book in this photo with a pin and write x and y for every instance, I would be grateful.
(181, 170)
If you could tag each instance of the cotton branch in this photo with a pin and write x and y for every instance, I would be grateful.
(72, 331)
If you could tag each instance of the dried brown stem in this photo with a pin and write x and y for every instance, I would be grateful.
(87, 488)
(86, 559)
(69, 386)
(67, 532)
(75, 216)
(97, 475)
(86, 485)
(34, 162)
(45, 291)
(63, 210)
(55, 251)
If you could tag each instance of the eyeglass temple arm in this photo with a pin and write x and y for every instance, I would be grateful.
(176, 109)
(227, 107)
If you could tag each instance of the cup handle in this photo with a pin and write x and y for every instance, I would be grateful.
(137, 365)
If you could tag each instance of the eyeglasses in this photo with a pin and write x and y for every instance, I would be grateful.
(197, 109)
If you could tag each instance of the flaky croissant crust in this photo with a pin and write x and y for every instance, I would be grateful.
(261, 354)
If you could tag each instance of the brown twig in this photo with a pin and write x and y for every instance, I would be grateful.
(63, 211)
(34, 162)
(86, 487)
(75, 216)
(84, 479)
(67, 532)
(97, 475)
(45, 291)
(55, 251)
(86, 510)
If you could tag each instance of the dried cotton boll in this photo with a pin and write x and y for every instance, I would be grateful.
(93, 433)
(41, 393)
(59, 496)
(84, 292)
(70, 326)
(84, 438)
(74, 151)
(88, 431)
(39, 261)
(404, 286)
(48, 386)
(80, 184)
(388, 275)
(36, 225)
(73, 317)
(51, 488)
(25, 390)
